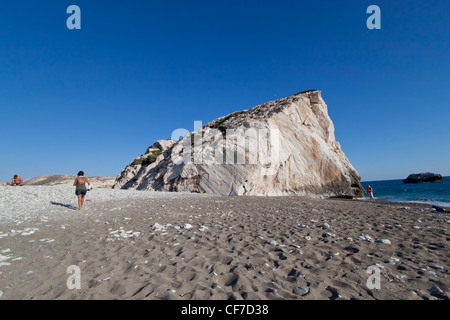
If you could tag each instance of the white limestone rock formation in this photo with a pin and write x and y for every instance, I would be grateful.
(282, 147)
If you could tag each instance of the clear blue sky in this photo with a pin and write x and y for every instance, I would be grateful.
(95, 98)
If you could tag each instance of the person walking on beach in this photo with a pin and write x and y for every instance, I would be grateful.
(370, 192)
(81, 190)
(16, 181)
(245, 188)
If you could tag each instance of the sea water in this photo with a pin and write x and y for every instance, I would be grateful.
(433, 193)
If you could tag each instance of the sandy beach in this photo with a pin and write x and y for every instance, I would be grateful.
(181, 246)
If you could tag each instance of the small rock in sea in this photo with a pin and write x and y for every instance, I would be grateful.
(272, 243)
(308, 238)
(272, 290)
(329, 234)
(325, 226)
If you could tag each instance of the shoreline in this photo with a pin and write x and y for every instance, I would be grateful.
(133, 245)
(406, 205)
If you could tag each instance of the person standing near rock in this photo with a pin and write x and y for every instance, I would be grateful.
(370, 192)
(81, 190)
(245, 188)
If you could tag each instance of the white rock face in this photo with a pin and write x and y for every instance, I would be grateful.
(282, 147)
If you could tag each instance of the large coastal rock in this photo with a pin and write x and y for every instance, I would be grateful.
(282, 147)
(423, 177)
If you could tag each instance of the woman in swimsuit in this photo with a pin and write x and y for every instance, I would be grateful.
(81, 190)
(245, 188)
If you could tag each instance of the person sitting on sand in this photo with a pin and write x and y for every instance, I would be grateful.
(370, 192)
(81, 190)
(16, 181)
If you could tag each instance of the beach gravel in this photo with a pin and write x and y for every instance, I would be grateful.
(130, 244)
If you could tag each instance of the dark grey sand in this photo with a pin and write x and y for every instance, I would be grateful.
(143, 245)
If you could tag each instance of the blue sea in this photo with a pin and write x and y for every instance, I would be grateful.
(433, 193)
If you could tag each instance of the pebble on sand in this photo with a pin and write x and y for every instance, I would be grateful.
(438, 293)
(303, 289)
(385, 241)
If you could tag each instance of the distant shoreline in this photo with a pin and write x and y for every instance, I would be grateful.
(399, 179)
(405, 204)
(399, 203)
(107, 182)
